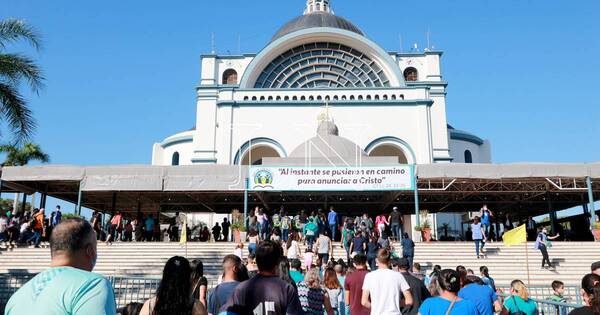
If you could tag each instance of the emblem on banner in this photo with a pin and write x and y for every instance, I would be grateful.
(263, 179)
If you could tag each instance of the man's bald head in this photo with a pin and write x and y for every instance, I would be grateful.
(71, 236)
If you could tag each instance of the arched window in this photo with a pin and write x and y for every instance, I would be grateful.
(175, 159)
(468, 157)
(254, 98)
(230, 77)
(411, 74)
(246, 98)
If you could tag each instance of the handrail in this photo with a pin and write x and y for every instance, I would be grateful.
(548, 307)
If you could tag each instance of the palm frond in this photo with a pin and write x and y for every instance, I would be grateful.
(33, 151)
(18, 115)
(16, 67)
(13, 30)
(17, 155)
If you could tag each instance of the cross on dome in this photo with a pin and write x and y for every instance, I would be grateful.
(317, 6)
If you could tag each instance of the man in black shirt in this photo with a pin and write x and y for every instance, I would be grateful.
(417, 287)
(225, 226)
(395, 220)
(266, 293)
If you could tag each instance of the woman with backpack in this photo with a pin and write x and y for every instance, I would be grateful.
(335, 291)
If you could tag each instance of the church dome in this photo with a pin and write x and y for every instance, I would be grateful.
(318, 13)
(317, 19)
(327, 144)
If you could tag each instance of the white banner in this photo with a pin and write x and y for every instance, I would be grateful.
(364, 178)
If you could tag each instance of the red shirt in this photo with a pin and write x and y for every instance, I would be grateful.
(354, 284)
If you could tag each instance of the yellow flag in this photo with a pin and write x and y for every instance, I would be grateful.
(183, 238)
(515, 236)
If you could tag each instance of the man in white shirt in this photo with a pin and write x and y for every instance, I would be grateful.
(384, 287)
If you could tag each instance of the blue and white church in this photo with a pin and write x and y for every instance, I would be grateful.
(322, 88)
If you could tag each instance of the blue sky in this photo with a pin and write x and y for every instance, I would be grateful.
(121, 74)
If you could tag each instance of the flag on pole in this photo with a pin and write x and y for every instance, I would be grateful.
(515, 236)
(183, 238)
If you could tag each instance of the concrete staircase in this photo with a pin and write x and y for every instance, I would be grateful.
(572, 259)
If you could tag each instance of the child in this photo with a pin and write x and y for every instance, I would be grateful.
(238, 251)
(308, 259)
(559, 290)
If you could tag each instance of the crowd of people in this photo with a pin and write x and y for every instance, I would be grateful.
(269, 282)
(148, 229)
(31, 228)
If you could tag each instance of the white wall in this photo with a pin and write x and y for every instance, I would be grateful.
(480, 153)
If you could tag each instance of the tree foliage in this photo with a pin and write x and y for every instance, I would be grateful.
(22, 155)
(15, 70)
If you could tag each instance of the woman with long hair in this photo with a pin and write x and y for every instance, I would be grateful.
(292, 247)
(485, 277)
(174, 292)
(283, 271)
(519, 301)
(381, 222)
(335, 291)
(313, 298)
(590, 292)
(462, 274)
(448, 302)
(198, 281)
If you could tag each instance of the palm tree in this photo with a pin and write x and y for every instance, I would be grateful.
(16, 69)
(20, 156)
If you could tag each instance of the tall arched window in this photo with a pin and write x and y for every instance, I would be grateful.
(411, 74)
(468, 157)
(230, 77)
(175, 159)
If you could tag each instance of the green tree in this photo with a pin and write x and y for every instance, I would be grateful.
(20, 156)
(15, 70)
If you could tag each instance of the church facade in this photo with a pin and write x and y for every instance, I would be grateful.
(321, 67)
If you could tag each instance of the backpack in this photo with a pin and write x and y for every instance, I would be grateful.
(285, 223)
(276, 220)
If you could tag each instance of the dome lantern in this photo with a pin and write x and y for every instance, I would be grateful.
(313, 6)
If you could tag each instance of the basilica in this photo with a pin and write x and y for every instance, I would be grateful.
(321, 91)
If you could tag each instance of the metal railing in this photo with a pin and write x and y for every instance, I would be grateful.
(9, 284)
(127, 289)
(140, 289)
(547, 307)
(572, 294)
